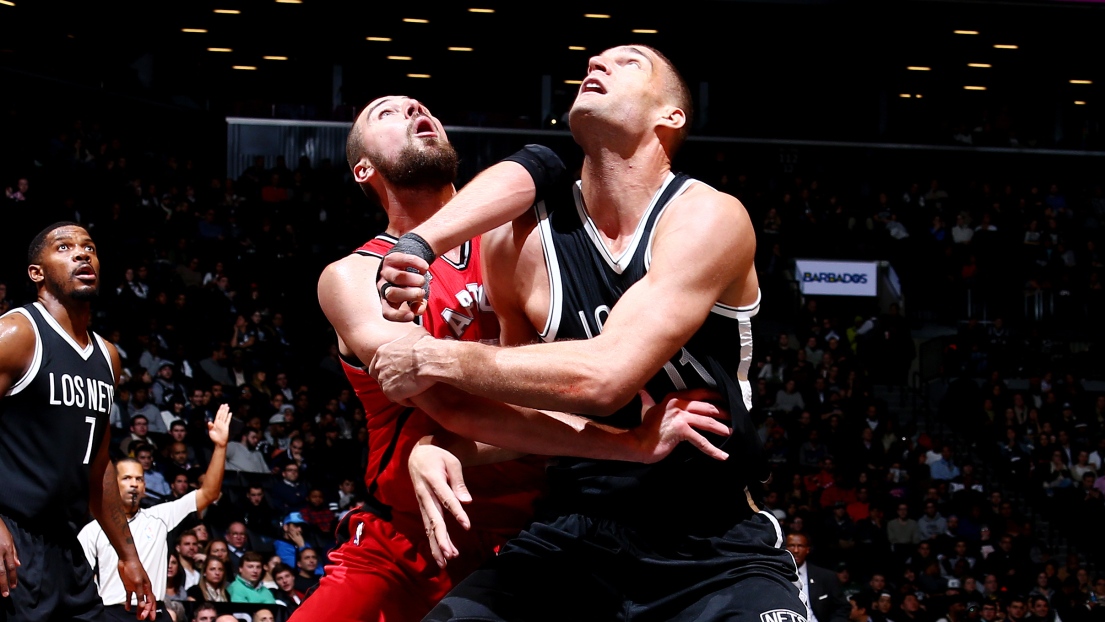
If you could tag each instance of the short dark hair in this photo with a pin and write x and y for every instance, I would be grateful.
(38, 243)
(137, 417)
(282, 567)
(300, 552)
(252, 556)
(677, 88)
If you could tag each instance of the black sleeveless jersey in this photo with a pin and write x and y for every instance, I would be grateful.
(52, 422)
(586, 281)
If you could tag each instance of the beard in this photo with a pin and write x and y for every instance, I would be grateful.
(433, 166)
(83, 294)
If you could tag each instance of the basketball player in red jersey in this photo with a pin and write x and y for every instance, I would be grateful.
(384, 568)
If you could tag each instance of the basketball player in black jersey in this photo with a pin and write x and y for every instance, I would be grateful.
(634, 277)
(57, 381)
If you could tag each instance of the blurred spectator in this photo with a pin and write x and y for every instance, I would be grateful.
(244, 455)
(246, 586)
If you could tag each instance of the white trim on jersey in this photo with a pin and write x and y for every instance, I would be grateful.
(552, 265)
(652, 234)
(465, 256)
(107, 356)
(36, 360)
(778, 528)
(622, 262)
(84, 352)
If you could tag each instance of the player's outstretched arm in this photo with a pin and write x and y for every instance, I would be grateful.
(698, 255)
(351, 305)
(219, 433)
(496, 196)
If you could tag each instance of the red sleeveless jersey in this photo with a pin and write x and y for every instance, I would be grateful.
(503, 494)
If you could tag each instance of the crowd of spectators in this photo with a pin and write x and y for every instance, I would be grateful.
(208, 292)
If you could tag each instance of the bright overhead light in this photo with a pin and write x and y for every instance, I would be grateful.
(1005, 46)
(416, 20)
(597, 15)
(573, 82)
(644, 31)
(966, 32)
(377, 38)
(193, 30)
(975, 88)
(399, 58)
(918, 68)
(481, 10)
(289, 1)
(7, 2)
(1081, 81)
(905, 95)
(1079, 102)
(219, 50)
(275, 57)
(245, 67)
(418, 75)
(459, 49)
(228, 11)
(577, 48)
(918, 96)
(979, 65)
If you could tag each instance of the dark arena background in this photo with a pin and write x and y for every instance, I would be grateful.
(926, 179)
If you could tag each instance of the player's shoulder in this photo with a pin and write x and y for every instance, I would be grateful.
(350, 266)
(17, 330)
(704, 207)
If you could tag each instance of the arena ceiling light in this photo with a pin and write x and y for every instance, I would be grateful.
(1079, 102)
(7, 2)
(377, 38)
(645, 31)
(596, 15)
(228, 11)
(198, 30)
(457, 48)
(979, 65)
(974, 88)
(399, 58)
(289, 1)
(918, 68)
(245, 67)
(418, 75)
(1081, 81)
(966, 32)
(905, 96)
(577, 48)
(1005, 46)
(573, 82)
(275, 57)
(220, 50)
(416, 20)
(481, 10)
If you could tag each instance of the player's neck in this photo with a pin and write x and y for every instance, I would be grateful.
(618, 186)
(74, 316)
(407, 208)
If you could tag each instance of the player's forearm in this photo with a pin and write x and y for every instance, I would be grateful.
(496, 196)
(212, 479)
(472, 453)
(570, 376)
(107, 508)
(523, 430)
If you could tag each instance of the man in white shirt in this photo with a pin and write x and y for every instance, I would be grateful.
(150, 526)
(820, 588)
